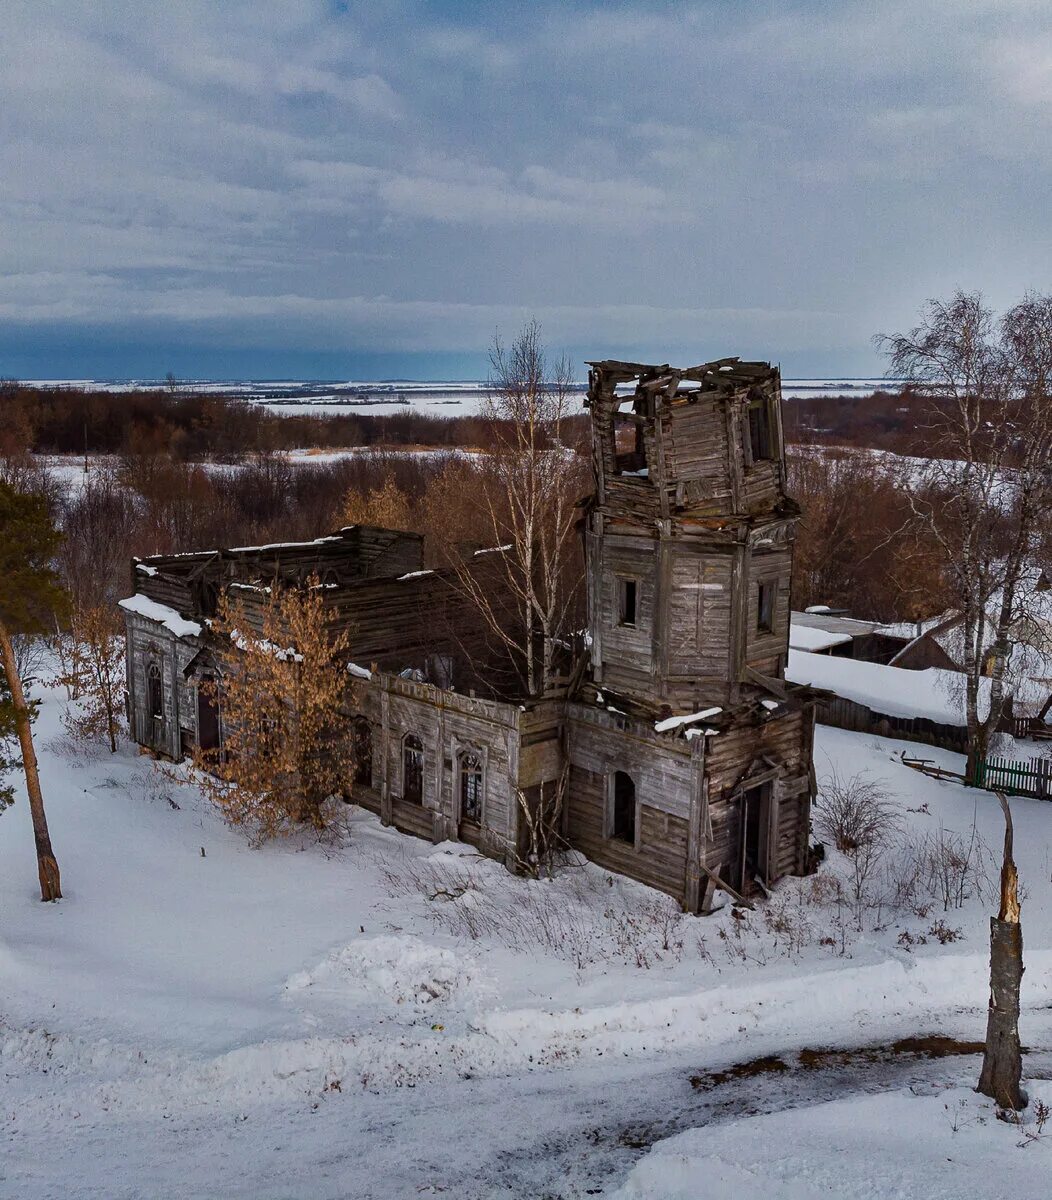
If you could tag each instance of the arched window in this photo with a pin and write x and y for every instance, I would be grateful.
(412, 769)
(363, 751)
(471, 787)
(154, 691)
(623, 808)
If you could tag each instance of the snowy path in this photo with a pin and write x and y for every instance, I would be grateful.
(557, 1133)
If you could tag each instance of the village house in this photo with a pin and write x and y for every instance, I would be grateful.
(683, 755)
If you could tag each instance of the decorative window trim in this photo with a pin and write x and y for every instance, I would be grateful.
(460, 751)
(154, 670)
(419, 747)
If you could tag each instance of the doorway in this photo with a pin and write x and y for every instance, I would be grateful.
(755, 816)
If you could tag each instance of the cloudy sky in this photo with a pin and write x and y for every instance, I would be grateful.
(314, 188)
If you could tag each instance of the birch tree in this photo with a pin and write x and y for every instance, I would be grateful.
(986, 495)
(528, 487)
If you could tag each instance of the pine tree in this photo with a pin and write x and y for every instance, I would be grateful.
(8, 745)
(30, 596)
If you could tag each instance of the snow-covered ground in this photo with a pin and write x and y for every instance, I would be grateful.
(380, 1017)
(73, 471)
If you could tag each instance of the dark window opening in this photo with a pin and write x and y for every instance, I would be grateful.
(761, 435)
(471, 788)
(363, 751)
(627, 591)
(207, 714)
(765, 607)
(154, 693)
(413, 769)
(630, 456)
(623, 826)
(209, 599)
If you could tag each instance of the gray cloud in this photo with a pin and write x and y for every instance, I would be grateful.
(697, 179)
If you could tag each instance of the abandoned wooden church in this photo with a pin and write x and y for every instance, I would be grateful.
(686, 758)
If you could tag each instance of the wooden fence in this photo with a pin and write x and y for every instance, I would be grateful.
(846, 714)
(1032, 777)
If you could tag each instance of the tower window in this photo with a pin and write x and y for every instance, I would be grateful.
(761, 439)
(626, 601)
(630, 456)
(765, 597)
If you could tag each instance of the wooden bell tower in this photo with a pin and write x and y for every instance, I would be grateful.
(689, 537)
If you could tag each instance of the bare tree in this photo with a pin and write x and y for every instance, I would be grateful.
(987, 495)
(541, 809)
(282, 687)
(92, 658)
(1002, 1073)
(862, 822)
(528, 486)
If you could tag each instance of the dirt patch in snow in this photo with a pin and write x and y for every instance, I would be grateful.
(816, 1059)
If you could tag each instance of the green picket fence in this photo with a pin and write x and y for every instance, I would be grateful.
(1032, 777)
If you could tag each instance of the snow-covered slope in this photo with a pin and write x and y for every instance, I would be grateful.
(245, 1022)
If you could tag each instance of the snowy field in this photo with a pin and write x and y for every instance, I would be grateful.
(384, 398)
(72, 471)
(380, 1017)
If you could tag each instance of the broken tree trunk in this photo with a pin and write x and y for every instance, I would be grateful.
(47, 866)
(1002, 1061)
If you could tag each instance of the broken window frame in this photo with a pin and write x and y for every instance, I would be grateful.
(760, 431)
(629, 462)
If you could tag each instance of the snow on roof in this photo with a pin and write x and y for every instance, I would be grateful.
(804, 637)
(909, 631)
(677, 722)
(333, 537)
(851, 626)
(933, 694)
(143, 606)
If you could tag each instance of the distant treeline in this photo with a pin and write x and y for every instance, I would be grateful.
(196, 426)
(897, 421)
